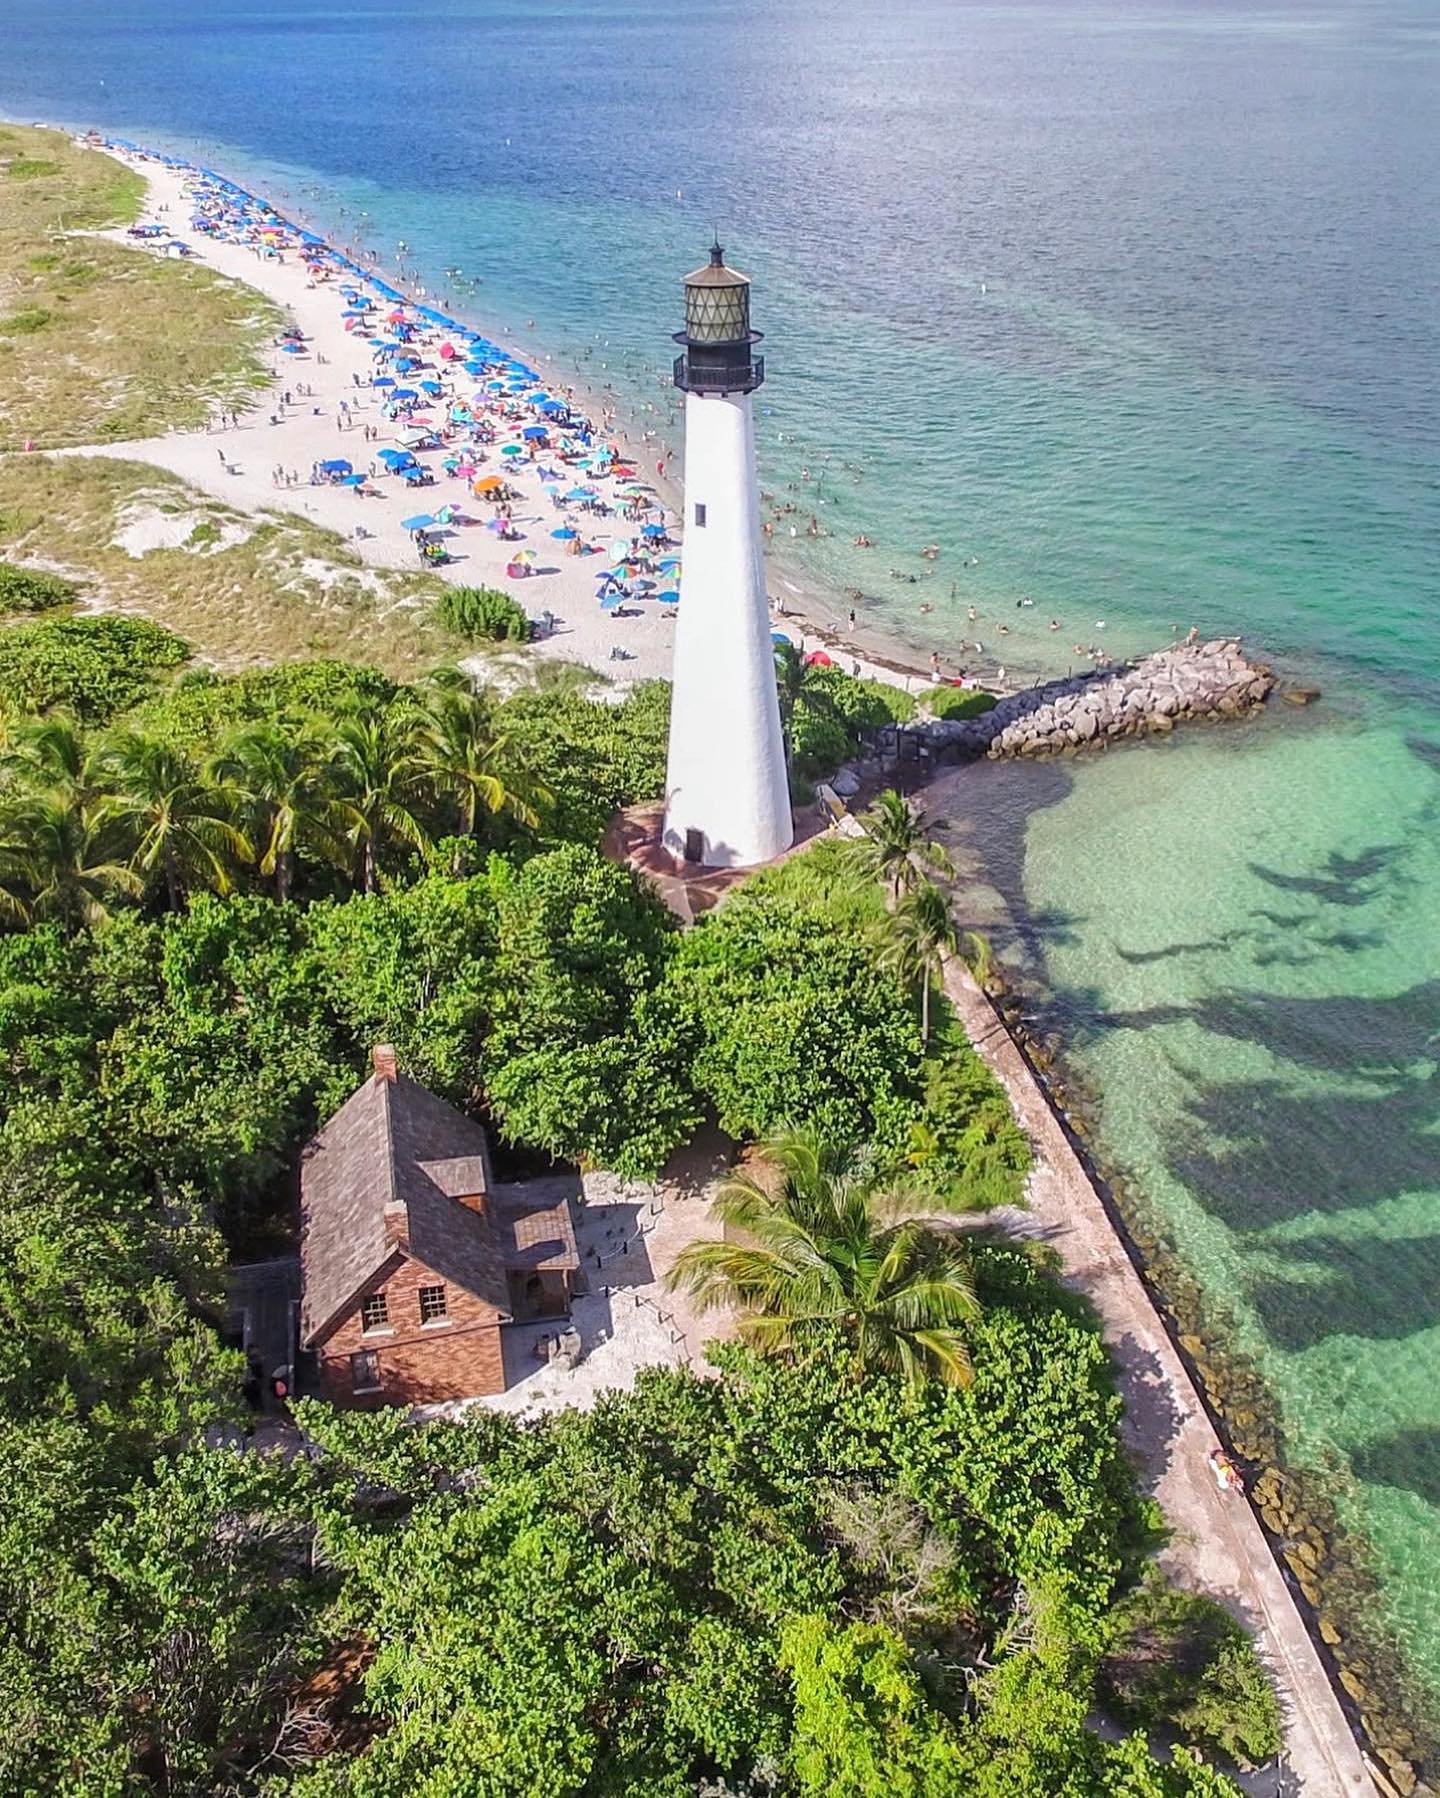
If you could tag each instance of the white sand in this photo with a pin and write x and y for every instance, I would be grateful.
(237, 464)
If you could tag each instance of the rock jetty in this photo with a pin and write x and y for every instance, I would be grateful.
(1192, 680)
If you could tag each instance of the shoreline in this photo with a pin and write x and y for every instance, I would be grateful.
(234, 463)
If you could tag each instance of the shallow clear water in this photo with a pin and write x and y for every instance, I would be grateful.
(1135, 303)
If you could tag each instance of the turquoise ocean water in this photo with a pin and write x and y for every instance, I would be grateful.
(1133, 310)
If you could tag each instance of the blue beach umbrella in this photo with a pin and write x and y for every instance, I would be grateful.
(431, 387)
(566, 534)
(352, 480)
(337, 465)
(512, 449)
(669, 565)
(613, 601)
(383, 381)
(420, 522)
(671, 597)
(654, 530)
(534, 431)
(405, 393)
(293, 349)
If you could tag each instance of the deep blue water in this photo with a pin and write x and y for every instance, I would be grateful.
(1133, 309)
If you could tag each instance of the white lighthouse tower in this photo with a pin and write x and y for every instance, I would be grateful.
(727, 801)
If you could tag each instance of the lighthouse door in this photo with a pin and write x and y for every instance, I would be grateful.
(694, 845)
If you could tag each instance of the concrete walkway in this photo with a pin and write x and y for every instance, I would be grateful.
(1217, 1545)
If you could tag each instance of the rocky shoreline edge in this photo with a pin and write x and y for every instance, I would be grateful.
(1327, 1569)
(1213, 680)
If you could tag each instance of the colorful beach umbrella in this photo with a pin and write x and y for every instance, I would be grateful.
(566, 534)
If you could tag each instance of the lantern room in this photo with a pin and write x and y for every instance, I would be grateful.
(717, 336)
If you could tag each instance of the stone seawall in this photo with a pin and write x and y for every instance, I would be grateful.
(1199, 680)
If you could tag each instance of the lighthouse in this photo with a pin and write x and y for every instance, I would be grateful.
(727, 798)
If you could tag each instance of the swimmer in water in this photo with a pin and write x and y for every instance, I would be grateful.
(970, 613)
(930, 551)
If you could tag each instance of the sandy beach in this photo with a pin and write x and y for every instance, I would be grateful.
(334, 406)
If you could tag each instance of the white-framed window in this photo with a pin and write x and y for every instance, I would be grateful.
(433, 1309)
(374, 1312)
(365, 1371)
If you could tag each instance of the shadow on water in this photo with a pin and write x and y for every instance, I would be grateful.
(1344, 879)
(1255, 1152)
(1329, 1287)
(1408, 1460)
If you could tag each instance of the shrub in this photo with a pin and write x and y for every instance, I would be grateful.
(24, 323)
(477, 613)
(594, 758)
(1181, 1659)
(32, 590)
(95, 666)
(960, 702)
(966, 1148)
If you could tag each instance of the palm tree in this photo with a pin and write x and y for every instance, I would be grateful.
(799, 682)
(174, 818)
(464, 759)
(53, 863)
(920, 934)
(52, 751)
(379, 783)
(277, 778)
(896, 844)
(824, 1252)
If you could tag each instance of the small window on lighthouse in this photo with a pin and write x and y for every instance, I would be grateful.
(699, 514)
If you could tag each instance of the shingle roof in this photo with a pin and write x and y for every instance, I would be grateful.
(392, 1142)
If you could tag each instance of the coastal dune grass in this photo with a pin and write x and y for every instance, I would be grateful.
(240, 589)
(100, 342)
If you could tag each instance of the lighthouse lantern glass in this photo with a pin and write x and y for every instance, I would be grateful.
(716, 312)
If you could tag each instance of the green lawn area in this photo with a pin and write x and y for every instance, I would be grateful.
(100, 342)
(242, 590)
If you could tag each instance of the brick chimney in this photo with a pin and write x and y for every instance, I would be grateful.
(397, 1225)
(382, 1059)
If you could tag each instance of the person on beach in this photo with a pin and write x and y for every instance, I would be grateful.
(852, 618)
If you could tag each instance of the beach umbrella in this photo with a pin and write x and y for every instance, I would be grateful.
(524, 557)
(512, 449)
(619, 573)
(612, 601)
(431, 387)
(534, 431)
(671, 597)
(352, 480)
(293, 349)
(566, 534)
(489, 483)
(654, 530)
(581, 493)
(448, 352)
(775, 636)
(337, 465)
(621, 549)
(645, 586)
(817, 658)
(420, 522)
(670, 565)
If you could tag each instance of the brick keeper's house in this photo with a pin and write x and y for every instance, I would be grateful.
(412, 1258)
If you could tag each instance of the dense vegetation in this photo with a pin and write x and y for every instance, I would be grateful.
(823, 1571)
(33, 590)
